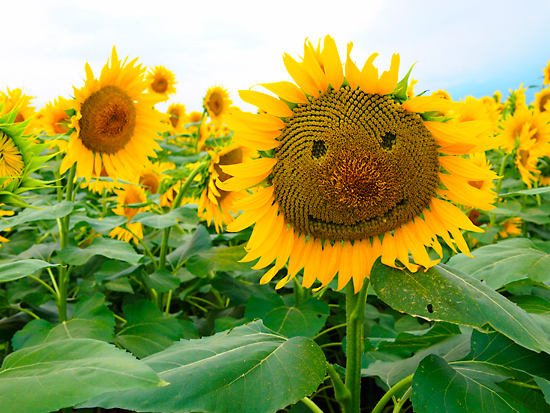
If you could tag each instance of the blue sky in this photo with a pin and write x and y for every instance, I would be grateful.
(466, 47)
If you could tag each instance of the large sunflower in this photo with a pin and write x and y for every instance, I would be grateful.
(217, 103)
(115, 124)
(351, 170)
(161, 81)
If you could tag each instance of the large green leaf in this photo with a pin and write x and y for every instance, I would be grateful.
(42, 214)
(537, 215)
(106, 247)
(443, 293)
(19, 269)
(239, 293)
(147, 331)
(183, 214)
(51, 376)
(218, 259)
(198, 242)
(505, 262)
(306, 320)
(496, 376)
(91, 319)
(247, 370)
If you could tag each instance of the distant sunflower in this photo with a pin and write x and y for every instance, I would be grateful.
(114, 122)
(16, 100)
(546, 71)
(512, 227)
(4, 213)
(215, 204)
(178, 119)
(151, 176)
(529, 151)
(542, 101)
(128, 195)
(161, 81)
(54, 120)
(217, 103)
(351, 170)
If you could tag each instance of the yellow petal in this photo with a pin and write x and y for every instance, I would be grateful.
(311, 66)
(421, 104)
(452, 215)
(345, 271)
(360, 263)
(262, 122)
(369, 76)
(389, 250)
(271, 105)
(240, 183)
(312, 259)
(259, 140)
(353, 75)
(388, 80)
(302, 78)
(333, 65)
(251, 168)
(287, 91)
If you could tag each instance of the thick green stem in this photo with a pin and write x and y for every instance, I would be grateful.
(355, 317)
(391, 392)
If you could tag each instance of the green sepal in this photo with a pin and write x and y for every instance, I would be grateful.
(400, 91)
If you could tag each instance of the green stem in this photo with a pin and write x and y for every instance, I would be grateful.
(11, 307)
(45, 284)
(312, 406)
(391, 392)
(341, 392)
(328, 330)
(168, 301)
(355, 317)
(402, 401)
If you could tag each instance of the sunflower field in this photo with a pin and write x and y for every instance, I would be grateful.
(358, 244)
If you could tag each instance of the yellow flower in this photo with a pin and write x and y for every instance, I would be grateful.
(512, 226)
(152, 175)
(215, 204)
(4, 214)
(525, 121)
(351, 171)
(542, 101)
(178, 119)
(115, 124)
(528, 153)
(546, 72)
(128, 195)
(15, 99)
(161, 81)
(217, 103)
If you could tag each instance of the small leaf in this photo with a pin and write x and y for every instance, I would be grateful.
(147, 331)
(247, 370)
(106, 247)
(184, 214)
(19, 269)
(505, 262)
(218, 259)
(443, 293)
(162, 281)
(98, 224)
(52, 376)
(198, 242)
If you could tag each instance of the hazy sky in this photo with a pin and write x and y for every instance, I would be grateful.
(466, 47)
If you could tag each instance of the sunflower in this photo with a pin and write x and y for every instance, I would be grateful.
(99, 185)
(477, 109)
(114, 125)
(178, 119)
(54, 120)
(16, 100)
(4, 214)
(351, 170)
(217, 103)
(161, 81)
(528, 153)
(19, 158)
(546, 72)
(152, 175)
(215, 204)
(511, 226)
(537, 123)
(542, 101)
(128, 195)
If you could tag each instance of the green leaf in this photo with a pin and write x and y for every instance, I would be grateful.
(19, 269)
(246, 370)
(538, 215)
(100, 225)
(91, 319)
(218, 259)
(239, 293)
(183, 214)
(162, 281)
(305, 320)
(106, 247)
(147, 331)
(198, 242)
(532, 191)
(496, 369)
(42, 214)
(545, 387)
(444, 294)
(505, 262)
(52, 376)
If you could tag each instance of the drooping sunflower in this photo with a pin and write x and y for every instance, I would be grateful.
(114, 123)
(161, 81)
(542, 101)
(217, 103)
(16, 100)
(351, 170)
(128, 195)
(19, 158)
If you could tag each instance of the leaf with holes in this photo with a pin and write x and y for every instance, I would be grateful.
(443, 293)
(249, 369)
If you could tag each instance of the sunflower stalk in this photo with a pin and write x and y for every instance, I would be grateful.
(355, 318)
(391, 393)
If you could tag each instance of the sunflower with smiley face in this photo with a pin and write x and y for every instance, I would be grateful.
(352, 169)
